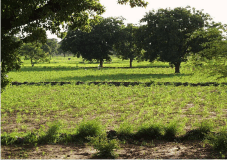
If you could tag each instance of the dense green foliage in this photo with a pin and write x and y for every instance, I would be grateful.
(95, 45)
(209, 47)
(51, 46)
(126, 47)
(34, 53)
(167, 31)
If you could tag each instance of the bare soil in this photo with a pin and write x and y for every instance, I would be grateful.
(157, 149)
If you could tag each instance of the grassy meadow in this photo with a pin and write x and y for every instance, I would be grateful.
(133, 110)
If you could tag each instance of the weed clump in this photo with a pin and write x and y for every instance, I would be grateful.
(149, 131)
(104, 146)
(219, 141)
(51, 135)
(199, 133)
(89, 129)
(171, 130)
(125, 130)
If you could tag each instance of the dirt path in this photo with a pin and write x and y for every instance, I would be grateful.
(154, 150)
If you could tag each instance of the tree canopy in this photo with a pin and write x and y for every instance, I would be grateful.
(34, 52)
(209, 47)
(167, 31)
(126, 47)
(97, 44)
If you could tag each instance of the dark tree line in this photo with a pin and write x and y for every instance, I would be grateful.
(167, 36)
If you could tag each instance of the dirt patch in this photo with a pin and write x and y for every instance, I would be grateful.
(144, 150)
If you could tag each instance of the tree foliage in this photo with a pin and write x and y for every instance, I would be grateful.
(209, 46)
(53, 45)
(34, 16)
(97, 44)
(34, 52)
(167, 31)
(126, 47)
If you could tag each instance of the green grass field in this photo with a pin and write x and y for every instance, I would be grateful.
(33, 109)
(62, 69)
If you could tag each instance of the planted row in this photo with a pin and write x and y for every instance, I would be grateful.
(148, 84)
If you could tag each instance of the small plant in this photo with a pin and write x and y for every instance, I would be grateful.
(219, 141)
(200, 133)
(104, 146)
(171, 130)
(51, 135)
(150, 131)
(125, 129)
(89, 128)
(31, 138)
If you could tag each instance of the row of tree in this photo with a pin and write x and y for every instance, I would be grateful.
(167, 35)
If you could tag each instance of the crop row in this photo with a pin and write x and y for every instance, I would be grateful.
(148, 84)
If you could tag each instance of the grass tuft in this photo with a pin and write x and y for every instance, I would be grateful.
(104, 146)
(199, 133)
(51, 135)
(171, 130)
(125, 130)
(219, 141)
(89, 129)
(149, 131)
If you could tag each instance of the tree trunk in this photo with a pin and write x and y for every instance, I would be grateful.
(32, 63)
(131, 62)
(101, 63)
(177, 67)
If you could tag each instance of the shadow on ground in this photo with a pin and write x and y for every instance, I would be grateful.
(116, 77)
(70, 68)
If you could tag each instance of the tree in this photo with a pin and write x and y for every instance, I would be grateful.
(97, 44)
(27, 16)
(167, 31)
(126, 47)
(53, 45)
(210, 47)
(34, 53)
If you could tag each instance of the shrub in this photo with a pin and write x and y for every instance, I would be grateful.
(219, 141)
(125, 129)
(89, 128)
(51, 135)
(104, 146)
(200, 133)
(171, 130)
(149, 131)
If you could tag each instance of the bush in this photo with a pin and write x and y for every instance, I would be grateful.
(89, 128)
(125, 129)
(104, 146)
(200, 133)
(52, 134)
(219, 141)
(149, 131)
(172, 129)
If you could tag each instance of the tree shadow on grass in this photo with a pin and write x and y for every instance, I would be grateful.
(115, 77)
(71, 68)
